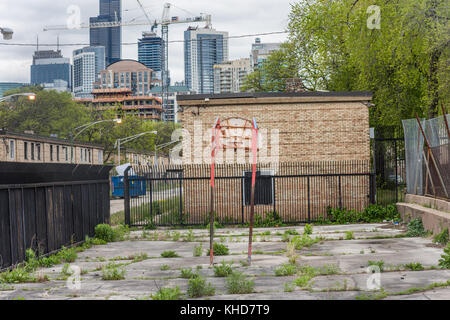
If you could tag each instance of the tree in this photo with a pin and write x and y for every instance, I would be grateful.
(404, 62)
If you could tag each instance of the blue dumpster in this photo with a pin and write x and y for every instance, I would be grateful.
(137, 187)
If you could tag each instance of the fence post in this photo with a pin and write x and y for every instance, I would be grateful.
(340, 194)
(181, 197)
(126, 196)
(372, 188)
(309, 202)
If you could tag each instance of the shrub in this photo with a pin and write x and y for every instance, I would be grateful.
(308, 229)
(219, 249)
(197, 287)
(444, 262)
(286, 270)
(112, 272)
(168, 294)
(105, 232)
(415, 228)
(442, 237)
(271, 219)
(372, 213)
(223, 270)
(238, 283)
(169, 254)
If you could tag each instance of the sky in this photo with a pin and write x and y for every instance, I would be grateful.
(29, 17)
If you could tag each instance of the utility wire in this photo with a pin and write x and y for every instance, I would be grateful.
(135, 43)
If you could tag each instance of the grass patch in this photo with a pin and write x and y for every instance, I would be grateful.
(197, 287)
(444, 262)
(169, 254)
(349, 235)
(239, 283)
(223, 270)
(187, 273)
(219, 250)
(198, 250)
(286, 270)
(168, 294)
(164, 267)
(414, 266)
(113, 271)
(442, 237)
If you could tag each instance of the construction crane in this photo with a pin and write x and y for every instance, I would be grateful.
(165, 21)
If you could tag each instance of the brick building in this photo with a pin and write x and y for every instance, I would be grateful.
(311, 132)
(31, 148)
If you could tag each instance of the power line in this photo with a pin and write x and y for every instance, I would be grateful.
(135, 43)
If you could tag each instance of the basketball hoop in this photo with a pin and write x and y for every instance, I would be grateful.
(234, 133)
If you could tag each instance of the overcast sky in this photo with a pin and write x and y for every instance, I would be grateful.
(28, 17)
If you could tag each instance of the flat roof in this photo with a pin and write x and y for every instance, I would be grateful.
(36, 137)
(271, 97)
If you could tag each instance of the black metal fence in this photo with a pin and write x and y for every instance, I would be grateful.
(296, 192)
(47, 214)
(389, 165)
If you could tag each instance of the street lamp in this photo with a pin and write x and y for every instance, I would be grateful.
(128, 139)
(31, 96)
(84, 127)
(7, 33)
(159, 147)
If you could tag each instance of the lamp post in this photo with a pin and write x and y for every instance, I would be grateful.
(31, 96)
(7, 33)
(159, 147)
(84, 127)
(128, 139)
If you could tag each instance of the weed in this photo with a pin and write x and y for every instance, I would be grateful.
(288, 287)
(149, 225)
(444, 262)
(415, 228)
(285, 270)
(223, 270)
(4, 287)
(140, 257)
(379, 264)
(105, 232)
(187, 273)
(112, 272)
(238, 283)
(442, 237)
(176, 236)
(304, 241)
(189, 236)
(219, 249)
(285, 238)
(290, 252)
(271, 219)
(349, 235)
(414, 266)
(67, 254)
(198, 250)
(303, 280)
(167, 294)
(164, 267)
(169, 254)
(308, 229)
(197, 287)
(17, 275)
(328, 269)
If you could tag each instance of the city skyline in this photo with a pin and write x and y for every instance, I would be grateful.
(223, 18)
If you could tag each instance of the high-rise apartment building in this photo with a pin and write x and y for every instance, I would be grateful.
(229, 76)
(50, 65)
(260, 52)
(149, 51)
(88, 62)
(110, 38)
(203, 48)
(171, 112)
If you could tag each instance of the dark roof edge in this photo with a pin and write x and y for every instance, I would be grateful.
(48, 138)
(367, 94)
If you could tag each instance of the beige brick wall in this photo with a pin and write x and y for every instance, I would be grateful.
(307, 131)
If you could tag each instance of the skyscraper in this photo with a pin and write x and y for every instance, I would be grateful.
(203, 48)
(50, 65)
(261, 51)
(110, 38)
(149, 51)
(229, 76)
(88, 62)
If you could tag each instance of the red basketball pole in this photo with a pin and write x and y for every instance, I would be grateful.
(214, 144)
(252, 196)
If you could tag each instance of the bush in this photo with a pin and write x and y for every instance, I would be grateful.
(372, 213)
(105, 232)
(219, 250)
(415, 228)
(238, 283)
(67, 254)
(168, 294)
(444, 262)
(197, 287)
(223, 270)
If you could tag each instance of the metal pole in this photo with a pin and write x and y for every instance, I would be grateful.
(118, 152)
(252, 196)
